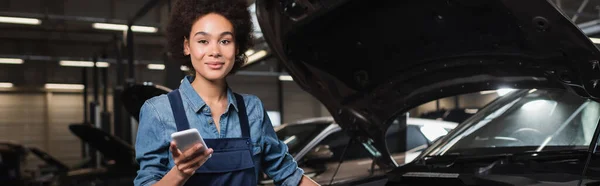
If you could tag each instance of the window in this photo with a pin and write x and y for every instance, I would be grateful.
(337, 142)
(528, 120)
(323, 165)
(297, 136)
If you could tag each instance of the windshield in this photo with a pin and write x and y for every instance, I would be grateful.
(297, 136)
(525, 120)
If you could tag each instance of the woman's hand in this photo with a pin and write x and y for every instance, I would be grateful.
(187, 162)
(306, 181)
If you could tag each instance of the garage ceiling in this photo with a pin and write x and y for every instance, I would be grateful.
(66, 32)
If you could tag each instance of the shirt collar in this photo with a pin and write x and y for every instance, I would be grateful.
(195, 101)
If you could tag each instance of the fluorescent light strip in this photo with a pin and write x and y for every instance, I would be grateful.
(285, 78)
(487, 92)
(6, 85)
(156, 66)
(162, 67)
(11, 61)
(83, 64)
(64, 86)
(256, 56)
(20, 20)
(146, 29)
(135, 28)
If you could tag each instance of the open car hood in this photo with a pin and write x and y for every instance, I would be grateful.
(110, 146)
(134, 96)
(368, 61)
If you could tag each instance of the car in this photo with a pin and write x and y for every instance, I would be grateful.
(318, 143)
(369, 61)
(526, 130)
(119, 167)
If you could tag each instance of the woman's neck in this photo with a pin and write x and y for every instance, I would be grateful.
(210, 91)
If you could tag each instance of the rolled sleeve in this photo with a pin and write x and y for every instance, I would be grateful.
(151, 147)
(278, 164)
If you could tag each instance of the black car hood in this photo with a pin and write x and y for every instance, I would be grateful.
(368, 61)
(134, 96)
(110, 146)
(49, 159)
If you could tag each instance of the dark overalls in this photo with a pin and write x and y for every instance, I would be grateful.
(231, 162)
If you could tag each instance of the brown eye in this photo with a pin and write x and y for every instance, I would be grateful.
(225, 42)
(203, 42)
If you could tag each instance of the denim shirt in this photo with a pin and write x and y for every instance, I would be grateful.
(157, 123)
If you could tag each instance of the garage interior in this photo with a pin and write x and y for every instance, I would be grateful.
(65, 62)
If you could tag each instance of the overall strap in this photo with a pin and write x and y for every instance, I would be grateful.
(178, 110)
(245, 126)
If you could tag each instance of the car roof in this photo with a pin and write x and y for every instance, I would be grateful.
(326, 120)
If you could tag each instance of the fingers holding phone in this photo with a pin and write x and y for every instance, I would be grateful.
(190, 159)
(189, 150)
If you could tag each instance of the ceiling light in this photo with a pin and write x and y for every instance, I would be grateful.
(83, 63)
(487, 92)
(147, 29)
(249, 52)
(6, 85)
(20, 20)
(285, 78)
(256, 56)
(11, 61)
(120, 27)
(156, 66)
(184, 68)
(64, 86)
(595, 40)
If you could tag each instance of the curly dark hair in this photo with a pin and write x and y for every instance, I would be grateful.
(185, 13)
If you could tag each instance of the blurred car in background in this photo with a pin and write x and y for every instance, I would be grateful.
(23, 166)
(318, 145)
(118, 165)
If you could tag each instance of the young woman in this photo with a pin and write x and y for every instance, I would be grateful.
(210, 37)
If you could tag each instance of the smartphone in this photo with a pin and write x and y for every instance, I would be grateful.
(188, 138)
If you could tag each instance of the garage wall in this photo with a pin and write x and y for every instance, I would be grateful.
(298, 104)
(264, 87)
(64, 110)
(23, 119)
(41, 120)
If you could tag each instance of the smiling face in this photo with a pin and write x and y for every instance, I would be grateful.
(211, 47)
